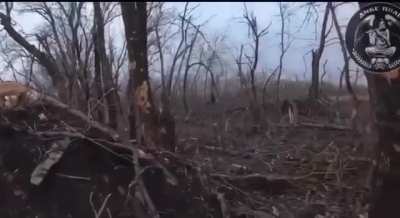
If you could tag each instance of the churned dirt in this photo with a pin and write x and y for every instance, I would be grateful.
(223, 169)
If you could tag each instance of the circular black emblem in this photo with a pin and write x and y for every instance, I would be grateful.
(373, 37)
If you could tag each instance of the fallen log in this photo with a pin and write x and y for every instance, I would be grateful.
(269, 183)
(45, 99)
(326, 126)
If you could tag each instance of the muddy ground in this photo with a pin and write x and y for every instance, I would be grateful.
(323, 171)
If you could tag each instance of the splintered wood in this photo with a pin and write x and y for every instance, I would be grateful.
(53, 156)
(14, 95)
(142, 98)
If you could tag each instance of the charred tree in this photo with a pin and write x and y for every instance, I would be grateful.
(98, 112)
(316, 57)
(143, 116)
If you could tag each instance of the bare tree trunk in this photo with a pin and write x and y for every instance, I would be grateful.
(344, 52)
(264, 91)
(179, 54)
(98, 109)
(341, 79)
(194, 83)
(243, 80)
(186, 73)
(313, 92)
(110, 91)
(385, 102)
(316, 57)
(278, 81)
(166, 122)
(170, 83)
(346, 70)
(76, 90)
(143, 115)
(256, 34)
(213, 84)
(59, 81)
(321, 81)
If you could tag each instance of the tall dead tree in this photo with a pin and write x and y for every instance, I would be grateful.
(104, 72)
(346, 67)
(63, 39)
(181, 62)
(166, 120)
(256, 34)
(284, 44)
(63, 46)
(58, 80)
(179, 56)
(159, 44)
(99, 110)
(385, 102)
(143, 116)
(316, 57)
(209, 63)
(66, 45)
(186, 73)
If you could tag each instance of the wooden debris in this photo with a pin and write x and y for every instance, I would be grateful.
(223, 205)
(78, 114)
(326, 126)
(54, 155)
(255, 181)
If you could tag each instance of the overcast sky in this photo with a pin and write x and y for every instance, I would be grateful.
(224, 19)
